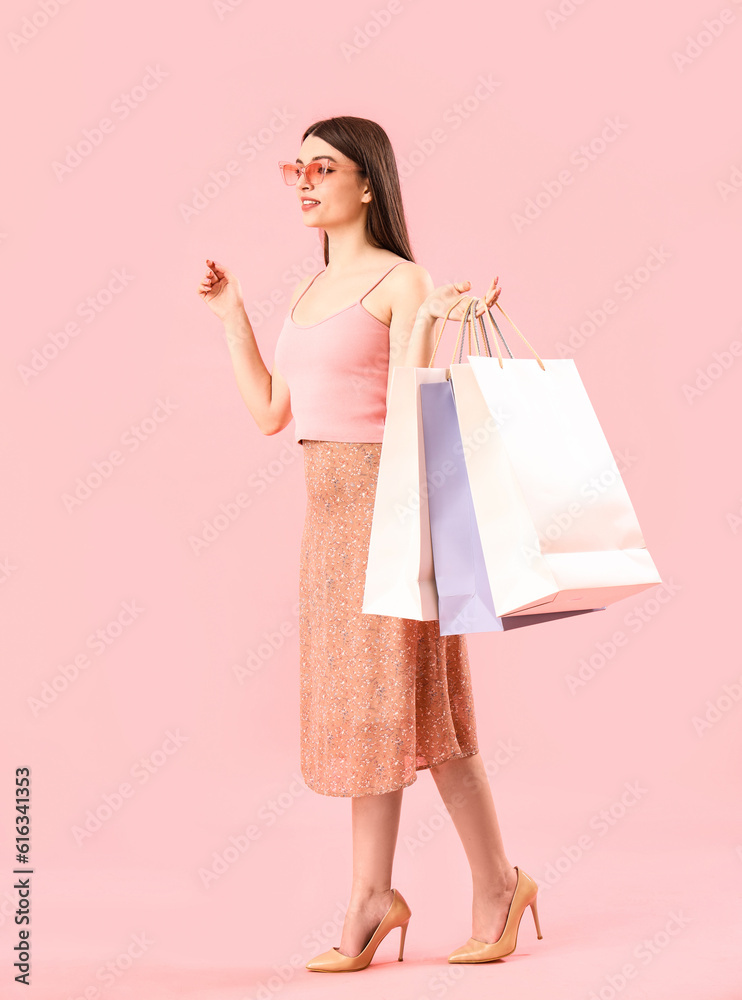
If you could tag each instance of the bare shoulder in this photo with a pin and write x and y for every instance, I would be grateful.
(410, 285)
(299, 288)
(411, 275)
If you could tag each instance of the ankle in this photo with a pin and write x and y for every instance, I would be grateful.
(363, 897)
(495, 884)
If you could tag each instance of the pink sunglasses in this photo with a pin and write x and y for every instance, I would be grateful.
(314, 171)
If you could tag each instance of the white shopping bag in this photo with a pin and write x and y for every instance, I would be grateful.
(557, 527)
(399, 575)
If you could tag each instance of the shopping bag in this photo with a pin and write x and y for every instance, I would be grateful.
(399, 573)
(465, 602)
(464, 596)
(400, 579)
(557, 527)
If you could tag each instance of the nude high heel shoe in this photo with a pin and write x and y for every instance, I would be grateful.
(480, 951)
(398, 915)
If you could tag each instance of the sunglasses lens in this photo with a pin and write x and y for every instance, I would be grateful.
(316, 172)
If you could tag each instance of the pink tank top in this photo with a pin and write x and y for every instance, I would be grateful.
(337, 372)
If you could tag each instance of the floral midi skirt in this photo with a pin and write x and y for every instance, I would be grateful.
(380, 697)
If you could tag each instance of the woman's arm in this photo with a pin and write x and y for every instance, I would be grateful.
(410, 332)
(266, 396)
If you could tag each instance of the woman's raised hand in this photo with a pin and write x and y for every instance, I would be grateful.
(440, 300)
(220, 289)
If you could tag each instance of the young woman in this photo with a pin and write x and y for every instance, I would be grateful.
(381, 697)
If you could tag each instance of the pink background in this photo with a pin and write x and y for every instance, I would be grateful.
(667, 869)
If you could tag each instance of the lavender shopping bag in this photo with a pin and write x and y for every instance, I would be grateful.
(465, 602)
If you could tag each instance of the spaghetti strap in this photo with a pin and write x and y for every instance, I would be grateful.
(293, 308)
(382, 278)
(307, 288)
(351, 306)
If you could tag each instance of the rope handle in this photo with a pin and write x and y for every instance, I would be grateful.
(468, 318)
(443, 324)
(469, 321)
(496, 327)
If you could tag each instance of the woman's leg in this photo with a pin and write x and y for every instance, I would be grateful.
(375, 828)
(467, 795)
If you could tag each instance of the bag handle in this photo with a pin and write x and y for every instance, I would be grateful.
(496, 327)
(443, 324)
(470, 317)
(471, 313)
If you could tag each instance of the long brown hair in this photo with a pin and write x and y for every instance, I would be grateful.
(366, 143)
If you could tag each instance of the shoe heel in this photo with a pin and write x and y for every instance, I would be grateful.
(402, 936)
(534, 911)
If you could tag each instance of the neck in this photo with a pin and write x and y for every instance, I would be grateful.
(349, 249)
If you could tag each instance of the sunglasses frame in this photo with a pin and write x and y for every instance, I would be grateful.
(324, 162)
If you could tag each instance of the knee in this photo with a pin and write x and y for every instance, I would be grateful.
(453, 764)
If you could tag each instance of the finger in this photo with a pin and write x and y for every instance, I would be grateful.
(495, 291)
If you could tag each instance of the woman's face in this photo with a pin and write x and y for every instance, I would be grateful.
(342, 194)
